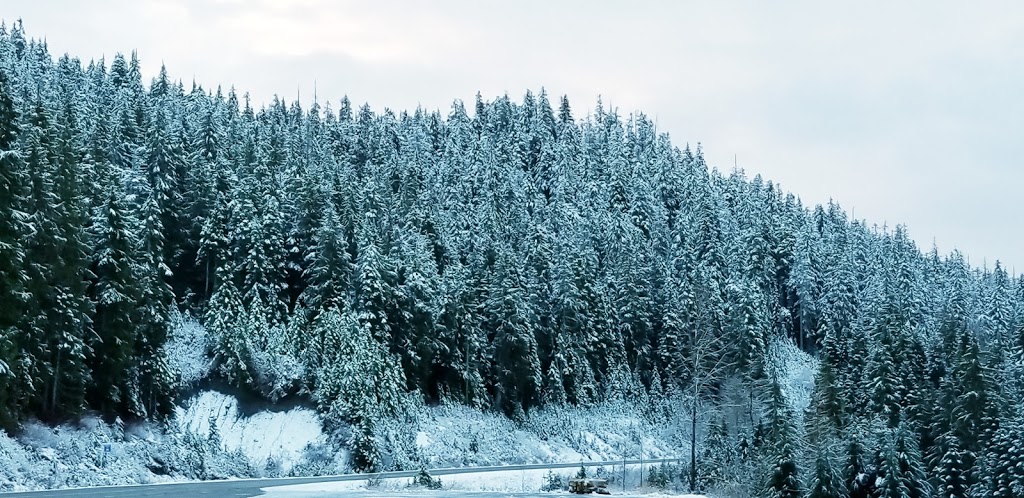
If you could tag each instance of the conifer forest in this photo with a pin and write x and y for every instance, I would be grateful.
(507, 254)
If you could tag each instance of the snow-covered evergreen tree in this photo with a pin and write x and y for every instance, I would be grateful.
(116, 292)
(13, 230)
(783, 473)
(858, 481)
(826, 482)
(901, 473)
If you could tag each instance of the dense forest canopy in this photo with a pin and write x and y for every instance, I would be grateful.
(508, 256)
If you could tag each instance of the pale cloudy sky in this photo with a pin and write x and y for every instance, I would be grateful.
(906, 112)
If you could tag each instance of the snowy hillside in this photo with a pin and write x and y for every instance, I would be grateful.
(455, 436)
(267, 436)
(94, 454)
(443, 436)
(292, 442)
(513, 280)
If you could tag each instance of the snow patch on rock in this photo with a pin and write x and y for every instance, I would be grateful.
(266, 436)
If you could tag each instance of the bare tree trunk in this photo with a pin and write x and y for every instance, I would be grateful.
(465, 374)
(693, 447)
(206, 283)
(56, 383)
(750, 408)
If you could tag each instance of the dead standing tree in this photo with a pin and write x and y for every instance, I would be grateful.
(707, 362)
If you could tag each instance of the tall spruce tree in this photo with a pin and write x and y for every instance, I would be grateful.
(901, 474)
(783, 474)
(826, 482)
(116, 293)
(13, 230)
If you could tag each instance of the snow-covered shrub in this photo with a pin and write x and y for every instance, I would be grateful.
(188, 348)
(795, 369)
(464, 436)
(453, 434)
(192, 464)
(224, 464)
(660, 476)
(35, 435)
(277, 373)
(423, 478)
(208, 459)
(319, 459)
(43, 457)
(553, 482)
(254, 351)
(18, 465)
(272, 467)
(396, 443)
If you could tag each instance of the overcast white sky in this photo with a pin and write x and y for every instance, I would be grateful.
(910, 113)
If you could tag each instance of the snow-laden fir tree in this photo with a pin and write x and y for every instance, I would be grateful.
(901, 473)
(116, 292)
(826, 481)
(784, 480)
(13, 229)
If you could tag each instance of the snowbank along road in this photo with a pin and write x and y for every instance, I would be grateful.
(247, 488)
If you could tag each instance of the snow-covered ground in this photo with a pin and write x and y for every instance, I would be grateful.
(327, 492)
(797, 370)
(279, 437)
(92, 453)
(443, 436)
(520, 483)
(458, 436)
(272, 443)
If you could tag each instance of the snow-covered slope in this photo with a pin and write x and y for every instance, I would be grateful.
(797, 370)
(292, 441)
(93, 453)
(456, 436)
(268, 435)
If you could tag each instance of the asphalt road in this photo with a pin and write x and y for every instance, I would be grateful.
(248, 488)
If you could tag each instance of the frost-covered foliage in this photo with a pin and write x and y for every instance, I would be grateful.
(795, 370)
(73, 456)
(554, 482)
(253, 350)
(359, 386)
(188, 349)
(209, 438)
(456, 435)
